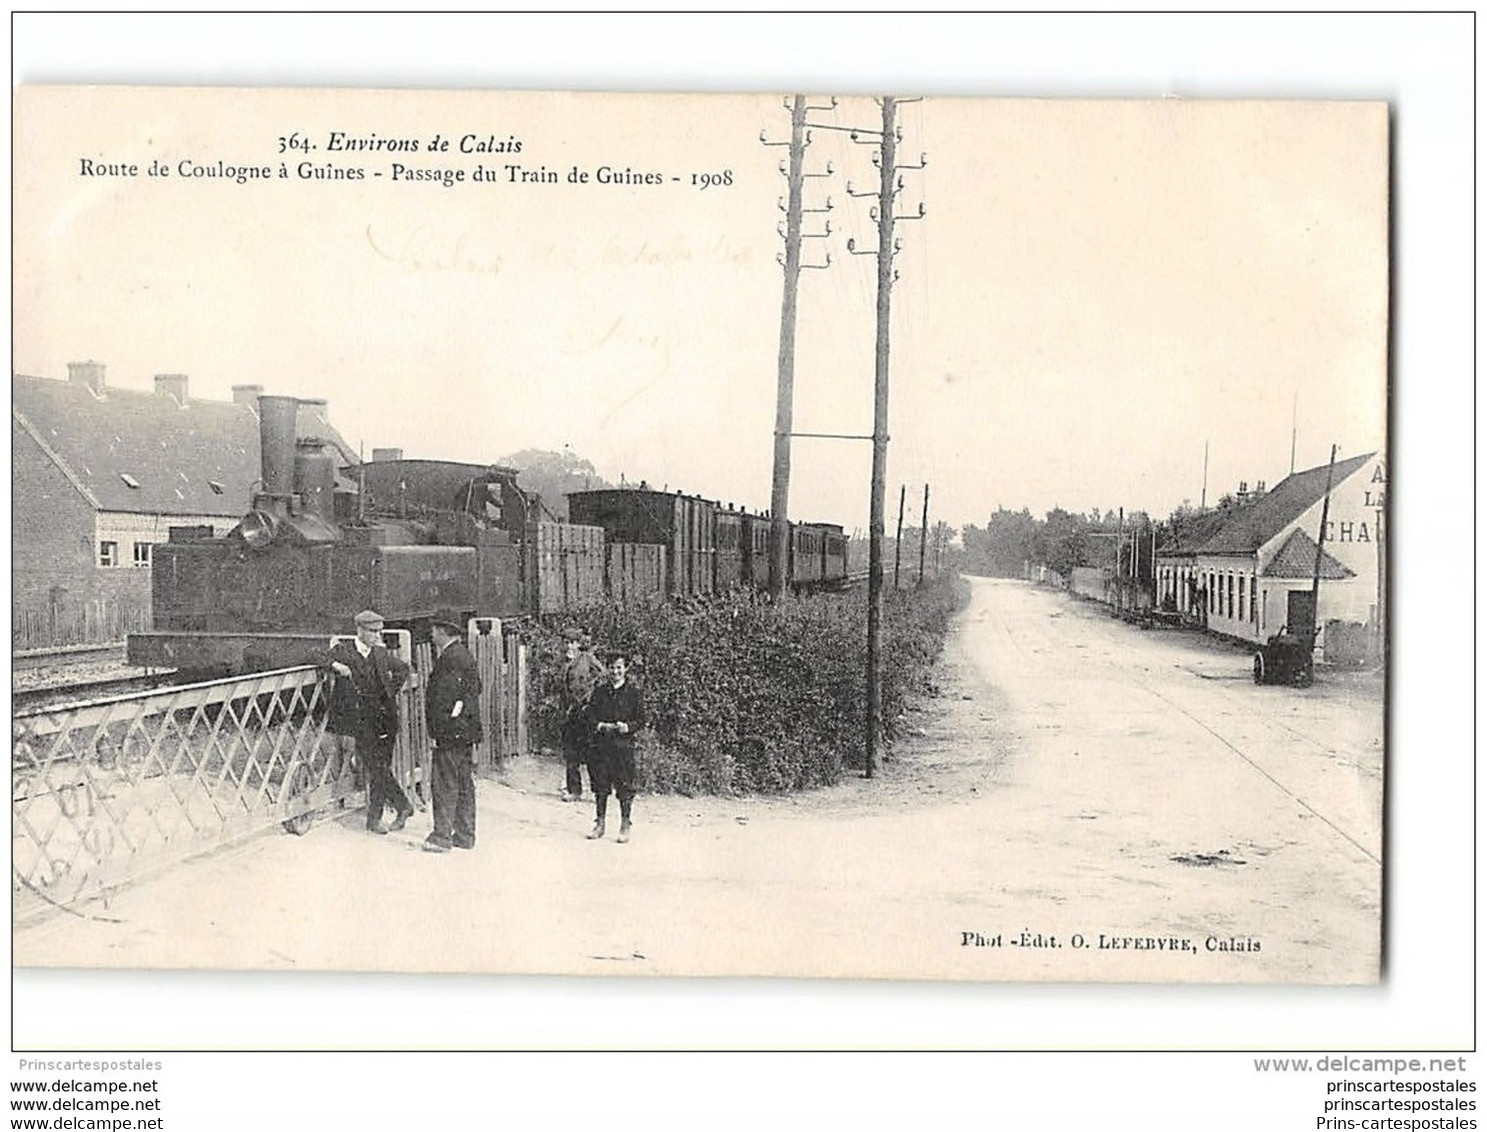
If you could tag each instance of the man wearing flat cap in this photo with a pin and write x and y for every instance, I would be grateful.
(364, 705)
(452, 704)
(582, 673)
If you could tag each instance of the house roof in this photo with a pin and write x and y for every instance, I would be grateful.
(143, 452)
(1183, 535)
(1297, 558)
(1253, 526)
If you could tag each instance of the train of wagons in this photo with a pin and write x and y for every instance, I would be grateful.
(412, 538)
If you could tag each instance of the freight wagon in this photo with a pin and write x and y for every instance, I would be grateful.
(685, 525)
(710, 548)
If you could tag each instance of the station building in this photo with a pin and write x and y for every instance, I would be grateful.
(99, 475)
(1253, 575)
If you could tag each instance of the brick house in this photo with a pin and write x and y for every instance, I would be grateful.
(100, 474)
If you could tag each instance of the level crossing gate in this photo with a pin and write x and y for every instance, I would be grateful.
(108, 791)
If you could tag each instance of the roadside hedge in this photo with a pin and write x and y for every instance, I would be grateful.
(749, 696)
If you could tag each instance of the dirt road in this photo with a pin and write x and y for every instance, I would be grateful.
(1082, 801)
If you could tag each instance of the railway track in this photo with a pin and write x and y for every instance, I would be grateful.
(68, 655)
(55, 695)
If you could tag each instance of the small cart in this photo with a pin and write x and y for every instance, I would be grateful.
(1285, 658)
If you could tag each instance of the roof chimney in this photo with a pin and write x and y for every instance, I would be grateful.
(87, 373)
(384, 455)
(247, 395)
(171, 385)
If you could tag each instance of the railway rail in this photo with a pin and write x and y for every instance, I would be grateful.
(85, 691)
(32, 659)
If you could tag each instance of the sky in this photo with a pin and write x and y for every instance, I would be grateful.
(1099, 291)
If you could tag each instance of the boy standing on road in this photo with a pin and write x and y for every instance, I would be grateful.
(617, 713)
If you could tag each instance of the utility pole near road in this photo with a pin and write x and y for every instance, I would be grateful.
(880, 440)
(1316, 572)
(779, 496)
(898, 540)
(923, 533)
(888, 183)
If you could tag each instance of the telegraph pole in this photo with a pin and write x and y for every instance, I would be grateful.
(888, 183)
(1316, 573)
(880, 438)
(779, 496)
(898, 540)
(794, 209)
(923, 533)
(1154, 601)
(1294, 398)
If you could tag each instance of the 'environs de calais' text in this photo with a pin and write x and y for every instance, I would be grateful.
(341, 142)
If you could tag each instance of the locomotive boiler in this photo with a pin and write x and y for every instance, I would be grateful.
(412, 538)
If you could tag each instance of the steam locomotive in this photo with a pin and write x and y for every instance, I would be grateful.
(412, 538)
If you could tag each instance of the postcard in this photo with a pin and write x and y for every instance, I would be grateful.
(794, 535)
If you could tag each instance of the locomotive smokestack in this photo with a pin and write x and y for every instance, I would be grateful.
(276, 417)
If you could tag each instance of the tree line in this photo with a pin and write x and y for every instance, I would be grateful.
(1014, 541)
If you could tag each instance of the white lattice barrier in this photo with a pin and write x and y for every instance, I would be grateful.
(106, 791)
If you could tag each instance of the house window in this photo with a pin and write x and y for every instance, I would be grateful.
(108, 554)
(1231, 595)
(142, 553)
(1241, 597)
(1254, 614)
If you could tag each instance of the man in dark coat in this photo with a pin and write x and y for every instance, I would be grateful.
(618, 713)
(452, 702)
(364, 705)
(581, 675)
